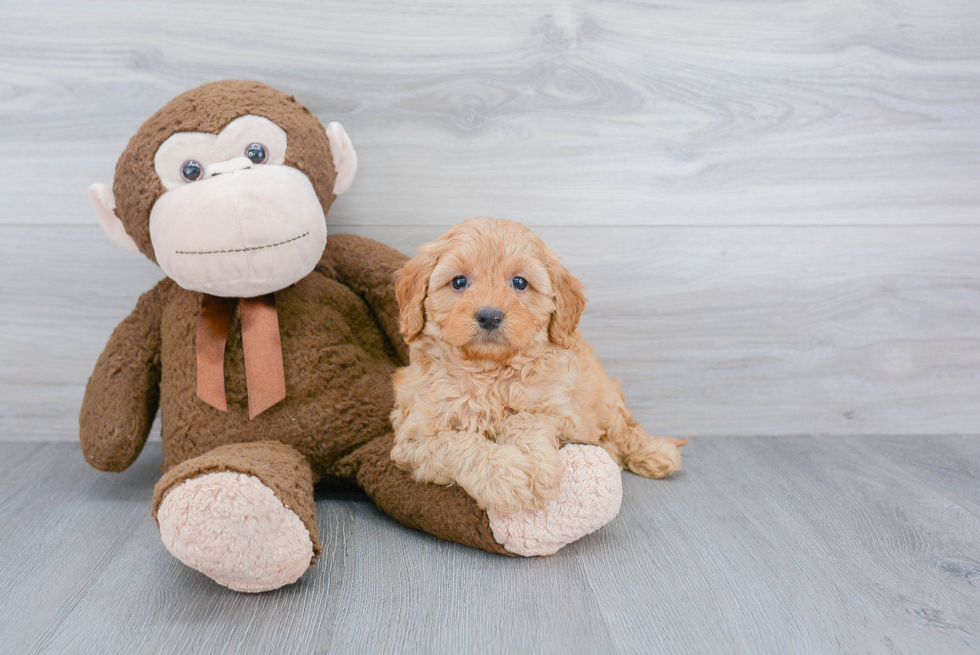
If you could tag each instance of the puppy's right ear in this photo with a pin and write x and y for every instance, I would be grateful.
(411, 287)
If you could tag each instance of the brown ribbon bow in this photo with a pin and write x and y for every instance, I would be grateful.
(260, 340)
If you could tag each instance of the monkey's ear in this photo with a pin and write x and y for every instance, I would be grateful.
(344, 157)
(104, 204)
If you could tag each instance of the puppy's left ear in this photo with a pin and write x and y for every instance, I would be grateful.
(411, 287)
(569, 302)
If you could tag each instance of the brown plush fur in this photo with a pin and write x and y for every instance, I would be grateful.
(340, 346)
(490, 409)
(275, 464)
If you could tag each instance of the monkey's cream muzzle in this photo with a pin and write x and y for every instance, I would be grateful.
(243, 231)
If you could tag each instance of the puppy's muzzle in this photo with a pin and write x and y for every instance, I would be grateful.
(489, 318)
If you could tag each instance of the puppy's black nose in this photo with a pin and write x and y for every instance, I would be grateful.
(489, 319)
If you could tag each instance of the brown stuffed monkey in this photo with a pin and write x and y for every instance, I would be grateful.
(268, 348)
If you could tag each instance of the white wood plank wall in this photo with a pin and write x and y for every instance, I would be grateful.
(774, 205)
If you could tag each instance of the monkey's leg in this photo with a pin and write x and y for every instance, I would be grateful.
(446, 512)
(589, 497)
(242, 514)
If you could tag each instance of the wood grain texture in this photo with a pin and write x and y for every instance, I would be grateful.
(713, 332)
(774, 205)
(574, 112)
(761, 545)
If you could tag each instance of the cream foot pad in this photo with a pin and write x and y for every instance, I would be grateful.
(589, 497)
(235, 530)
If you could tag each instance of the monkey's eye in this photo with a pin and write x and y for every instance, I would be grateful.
(519, 283)
(459, 282)
(191, 171)
(257, 153)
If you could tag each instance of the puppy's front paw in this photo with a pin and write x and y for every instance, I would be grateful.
(589, 497)
(405, 454)
(533, 436)
(544, 469)
(506, 480)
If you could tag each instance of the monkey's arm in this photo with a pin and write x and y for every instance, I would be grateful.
(123, 393)
(368, 268)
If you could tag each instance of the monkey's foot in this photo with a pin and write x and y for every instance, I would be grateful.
(235, 530)
(589, 497)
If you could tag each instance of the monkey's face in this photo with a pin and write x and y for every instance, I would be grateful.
(235, 221)
(226, 188)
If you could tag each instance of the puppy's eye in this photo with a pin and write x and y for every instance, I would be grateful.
(519, 283)
(459, 282)
(256, 152)
(191, 171)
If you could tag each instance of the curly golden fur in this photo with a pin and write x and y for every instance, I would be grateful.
(488, 409)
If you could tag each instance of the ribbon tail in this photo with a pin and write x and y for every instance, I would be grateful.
(264, 372)
(213, 326)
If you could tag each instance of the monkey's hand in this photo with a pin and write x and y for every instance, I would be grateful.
(123, 393)
(368, 268)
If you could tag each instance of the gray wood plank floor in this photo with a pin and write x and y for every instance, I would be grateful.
(761, 545)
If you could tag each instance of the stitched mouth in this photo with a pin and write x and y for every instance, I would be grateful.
(219, 252)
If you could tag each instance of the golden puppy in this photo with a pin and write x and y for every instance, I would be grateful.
(500, 376)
